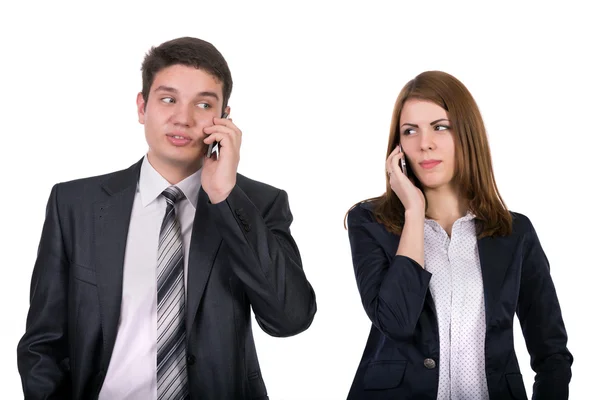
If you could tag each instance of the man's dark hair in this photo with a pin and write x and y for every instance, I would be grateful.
(191, 52)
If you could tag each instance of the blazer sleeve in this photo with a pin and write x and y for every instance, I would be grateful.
(542, 324)
(267, 261)
(42, 353)
(392, 292)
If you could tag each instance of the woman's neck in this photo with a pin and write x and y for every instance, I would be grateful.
(445, 204)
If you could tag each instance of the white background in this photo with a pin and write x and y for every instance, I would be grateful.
(314, 87)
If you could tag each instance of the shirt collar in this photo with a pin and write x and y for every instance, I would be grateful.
(151, 184)
(469, 216)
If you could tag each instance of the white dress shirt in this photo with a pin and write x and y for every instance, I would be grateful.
(457, 289)
(132, 370)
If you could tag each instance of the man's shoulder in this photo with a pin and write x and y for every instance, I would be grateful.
(254, 187)
(95, 180)
(82, 188)
(261, 194)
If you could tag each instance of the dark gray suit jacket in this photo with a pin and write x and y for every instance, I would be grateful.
(241, 254)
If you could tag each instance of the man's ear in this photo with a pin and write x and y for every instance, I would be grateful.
(141, 108)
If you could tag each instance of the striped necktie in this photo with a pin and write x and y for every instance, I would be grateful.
(171, 371)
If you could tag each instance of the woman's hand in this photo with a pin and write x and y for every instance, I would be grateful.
(412, 198)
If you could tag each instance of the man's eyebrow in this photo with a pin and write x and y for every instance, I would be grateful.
(166, 89)
(208, 94)
(175, 91)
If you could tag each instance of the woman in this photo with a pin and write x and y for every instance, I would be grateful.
(442, 265)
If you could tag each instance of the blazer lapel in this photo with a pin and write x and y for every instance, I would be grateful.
(204, 245)
(495, 256)
(111, 225)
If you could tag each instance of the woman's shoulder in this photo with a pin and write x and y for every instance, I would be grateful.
(521, 223)
(361, 212)
(363, 207)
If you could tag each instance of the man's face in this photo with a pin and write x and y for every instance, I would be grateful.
(182, 101)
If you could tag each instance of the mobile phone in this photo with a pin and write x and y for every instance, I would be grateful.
(215, 146)
(403, 162)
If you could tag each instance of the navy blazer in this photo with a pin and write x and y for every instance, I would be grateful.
(402, 352)
(241, 255)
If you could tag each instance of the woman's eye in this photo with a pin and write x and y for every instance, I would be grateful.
(441, 127)
(409, 131)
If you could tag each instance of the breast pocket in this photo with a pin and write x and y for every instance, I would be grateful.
(384, 375)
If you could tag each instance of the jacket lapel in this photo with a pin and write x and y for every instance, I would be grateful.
(204, 245)
(495, 256)
(111, 225)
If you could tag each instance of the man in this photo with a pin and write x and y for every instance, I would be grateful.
(144, 277)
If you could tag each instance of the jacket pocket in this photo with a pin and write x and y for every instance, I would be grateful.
(83, 274)
(384, 375)
(516, 386)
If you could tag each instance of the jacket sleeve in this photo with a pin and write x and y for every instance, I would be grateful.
(42, 353)
(267, 261)
(393, 293)
(542, 324)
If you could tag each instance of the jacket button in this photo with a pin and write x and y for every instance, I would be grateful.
(191, 360)
(429, 363)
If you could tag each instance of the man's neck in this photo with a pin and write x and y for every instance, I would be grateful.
(173, 173)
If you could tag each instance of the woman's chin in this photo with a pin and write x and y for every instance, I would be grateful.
(434, 184)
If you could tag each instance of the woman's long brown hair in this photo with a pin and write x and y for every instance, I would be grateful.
(474, 175)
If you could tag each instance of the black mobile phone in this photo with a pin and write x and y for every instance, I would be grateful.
(403, 162)
(215, 146)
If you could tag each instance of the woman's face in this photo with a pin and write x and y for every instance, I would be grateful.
(427, 142)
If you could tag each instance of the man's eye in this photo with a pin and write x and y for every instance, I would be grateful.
(168, 100)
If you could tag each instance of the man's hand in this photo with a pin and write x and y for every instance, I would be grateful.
(219, 176)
